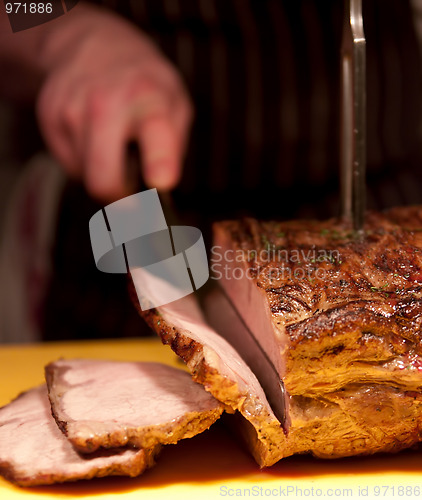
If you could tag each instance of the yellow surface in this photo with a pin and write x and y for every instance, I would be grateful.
(212, 465)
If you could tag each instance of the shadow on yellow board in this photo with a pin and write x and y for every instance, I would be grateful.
(215, 458)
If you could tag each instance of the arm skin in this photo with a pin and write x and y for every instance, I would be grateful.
(98, 83)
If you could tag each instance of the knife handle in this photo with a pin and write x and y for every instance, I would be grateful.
(134, 179)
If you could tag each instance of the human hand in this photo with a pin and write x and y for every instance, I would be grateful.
(107, 84)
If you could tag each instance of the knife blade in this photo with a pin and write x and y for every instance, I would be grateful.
(223, 316)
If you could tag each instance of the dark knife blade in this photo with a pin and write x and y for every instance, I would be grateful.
(223, 316)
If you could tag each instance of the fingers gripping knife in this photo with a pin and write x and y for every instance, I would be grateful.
(353, 114)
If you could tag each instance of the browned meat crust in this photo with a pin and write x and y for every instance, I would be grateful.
(343, 314)
(340, 301)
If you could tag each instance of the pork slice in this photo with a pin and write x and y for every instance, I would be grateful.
(33, 450)
(112, 404)
(213, 362)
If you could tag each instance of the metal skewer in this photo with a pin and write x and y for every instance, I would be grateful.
(353, 115)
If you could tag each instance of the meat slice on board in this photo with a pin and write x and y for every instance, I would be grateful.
(34, 451)
(111, 404)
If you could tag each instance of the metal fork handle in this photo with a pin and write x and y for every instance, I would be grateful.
(353, 114)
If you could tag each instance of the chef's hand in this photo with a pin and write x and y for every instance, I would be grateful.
(107, 84)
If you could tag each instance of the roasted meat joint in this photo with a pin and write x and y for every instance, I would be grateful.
(338, 314)
(309, 336)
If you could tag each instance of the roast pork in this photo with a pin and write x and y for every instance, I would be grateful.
(338, 314)
(111, 404)
(34, 451)
(111, 418)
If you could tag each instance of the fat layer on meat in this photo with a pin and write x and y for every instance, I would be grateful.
(34, 451)
(111, 404)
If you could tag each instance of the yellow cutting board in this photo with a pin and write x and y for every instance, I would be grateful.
(212, 465)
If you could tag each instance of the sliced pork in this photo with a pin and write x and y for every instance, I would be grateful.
(112, 404)
(34, 451)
